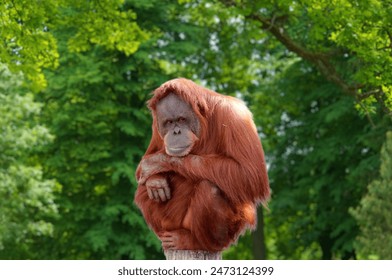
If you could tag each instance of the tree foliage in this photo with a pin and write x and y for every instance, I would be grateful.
(29, 45)
(374, 212)
(27, 200)
(321, 155)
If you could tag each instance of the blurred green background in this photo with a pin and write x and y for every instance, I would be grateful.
(74, 80)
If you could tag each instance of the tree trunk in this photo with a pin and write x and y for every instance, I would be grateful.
(259, 249)
(192, 255)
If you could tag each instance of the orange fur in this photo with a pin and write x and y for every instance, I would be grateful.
(216, 188)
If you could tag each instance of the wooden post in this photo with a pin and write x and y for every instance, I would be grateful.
(192, 255)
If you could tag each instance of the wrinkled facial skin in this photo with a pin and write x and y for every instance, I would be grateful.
(177, 125)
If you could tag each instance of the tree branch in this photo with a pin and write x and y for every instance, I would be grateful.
(320, 60)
